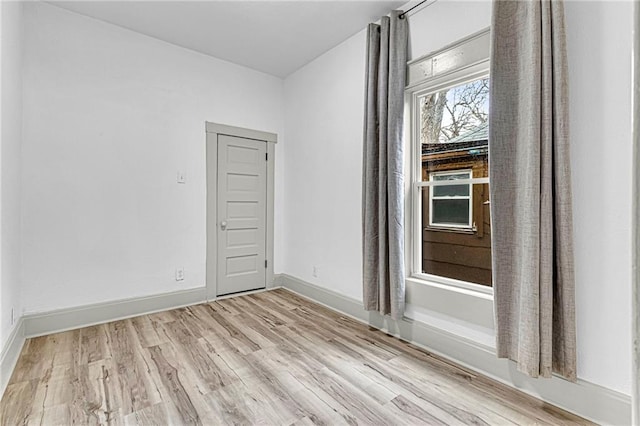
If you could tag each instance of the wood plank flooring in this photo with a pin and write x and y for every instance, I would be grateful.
(269, 358)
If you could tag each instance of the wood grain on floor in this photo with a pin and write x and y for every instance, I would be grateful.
(269, 358)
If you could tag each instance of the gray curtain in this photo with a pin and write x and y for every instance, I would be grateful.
(383, 188)
(530, 186)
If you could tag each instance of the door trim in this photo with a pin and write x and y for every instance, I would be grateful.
(212, 132)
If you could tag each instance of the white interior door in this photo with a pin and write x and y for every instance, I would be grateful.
(241, 208)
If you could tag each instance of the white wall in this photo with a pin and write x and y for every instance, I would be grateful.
(599, 47)
(10, 143)
(323, 123)
(110, 116)
(324, 110)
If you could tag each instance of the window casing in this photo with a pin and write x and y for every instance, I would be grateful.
(464, 62)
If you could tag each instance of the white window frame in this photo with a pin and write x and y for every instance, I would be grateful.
(462, 62)
(469, 198)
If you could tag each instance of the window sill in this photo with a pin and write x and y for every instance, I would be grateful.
(469, 231)
(462, 287)
(469, 307)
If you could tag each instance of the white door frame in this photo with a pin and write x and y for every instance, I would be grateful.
(213, 130)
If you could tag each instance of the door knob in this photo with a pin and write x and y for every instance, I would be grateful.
(223, 225)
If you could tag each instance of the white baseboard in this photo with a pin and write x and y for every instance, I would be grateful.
(39, 324)
(10, 354)
(591, 401)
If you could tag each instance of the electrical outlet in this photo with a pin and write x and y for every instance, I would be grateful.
(316, 271)
(179, 274)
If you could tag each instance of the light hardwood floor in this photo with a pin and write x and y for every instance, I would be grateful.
(269, 358)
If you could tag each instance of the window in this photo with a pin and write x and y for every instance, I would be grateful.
(449, 101)
(450, 205)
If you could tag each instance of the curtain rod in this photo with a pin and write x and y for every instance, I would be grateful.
(404, 14)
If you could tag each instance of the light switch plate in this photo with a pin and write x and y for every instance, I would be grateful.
(182, 177)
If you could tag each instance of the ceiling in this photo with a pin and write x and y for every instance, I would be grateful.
(276, 37)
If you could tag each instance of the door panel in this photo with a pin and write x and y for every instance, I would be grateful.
(242, 238)
(242, 209)
(242, 185)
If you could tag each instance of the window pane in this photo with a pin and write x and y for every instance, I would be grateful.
(454, 137)
(454, 129)
(451, 191)
(462, 253)
(451, 176)
(454, 114)
(451, 212)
